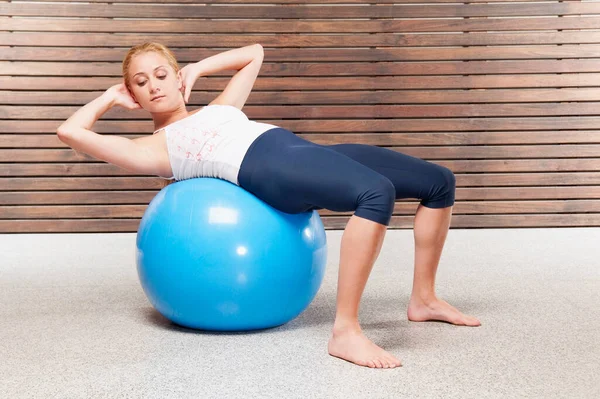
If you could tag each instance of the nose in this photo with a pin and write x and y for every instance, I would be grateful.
(153, 86)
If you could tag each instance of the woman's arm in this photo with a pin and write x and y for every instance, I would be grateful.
(121, 151)
(246, 60)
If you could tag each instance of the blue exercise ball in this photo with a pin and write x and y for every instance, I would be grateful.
(212, 256)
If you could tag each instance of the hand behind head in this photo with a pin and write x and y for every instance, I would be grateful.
(122, 97)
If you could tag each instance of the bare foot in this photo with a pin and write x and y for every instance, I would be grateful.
(438, 309)
(353, 346)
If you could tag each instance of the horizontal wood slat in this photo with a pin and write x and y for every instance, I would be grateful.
(381, 139)
(384, 68)
(401, 208)
(298, 11)
(344, 125)
(140, 183)
(457, 166)
(79, 183)
(296, 1)
(402, 222)
(332, 83)
(201, 98)
(78, 197)
(144, 196)
(377, 111)
(72, 212)
(292, 26)
(430, 153)
(323, 54)
(84, 40)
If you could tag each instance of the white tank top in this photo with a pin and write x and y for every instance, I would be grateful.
(211, 143)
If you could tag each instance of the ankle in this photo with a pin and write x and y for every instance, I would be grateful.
(423, 297)
(345, 326)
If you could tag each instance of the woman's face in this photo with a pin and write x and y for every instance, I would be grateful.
(154, 84)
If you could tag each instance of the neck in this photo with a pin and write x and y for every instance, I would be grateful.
(162, 119)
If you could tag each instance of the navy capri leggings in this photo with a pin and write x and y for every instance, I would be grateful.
(295, 175)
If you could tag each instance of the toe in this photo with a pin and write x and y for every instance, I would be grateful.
(389, 360)
(395, 362)
(469, 321)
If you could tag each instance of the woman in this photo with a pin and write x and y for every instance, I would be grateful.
(290, 173)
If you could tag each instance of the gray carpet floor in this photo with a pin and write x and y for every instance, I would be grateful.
(75, 323)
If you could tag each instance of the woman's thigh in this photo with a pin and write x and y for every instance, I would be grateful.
(412, 177)
(299, 175)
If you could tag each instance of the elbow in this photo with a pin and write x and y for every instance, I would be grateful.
(63, 134)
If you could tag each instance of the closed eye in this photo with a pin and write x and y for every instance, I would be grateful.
(162, 77)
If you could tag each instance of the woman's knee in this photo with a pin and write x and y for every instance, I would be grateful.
(450, 179)
(443, 189)
(376, 201)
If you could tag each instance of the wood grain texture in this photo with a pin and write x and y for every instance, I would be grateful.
(505, 94)
(302, 11)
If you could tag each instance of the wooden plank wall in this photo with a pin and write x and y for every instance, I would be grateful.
(505, 94)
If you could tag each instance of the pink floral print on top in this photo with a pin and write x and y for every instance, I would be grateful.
(194, 142)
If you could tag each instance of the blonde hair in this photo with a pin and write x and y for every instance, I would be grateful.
(146, 48)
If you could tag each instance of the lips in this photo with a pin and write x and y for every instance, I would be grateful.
(156, 98)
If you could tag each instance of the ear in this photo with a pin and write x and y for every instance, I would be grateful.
(179, 80)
